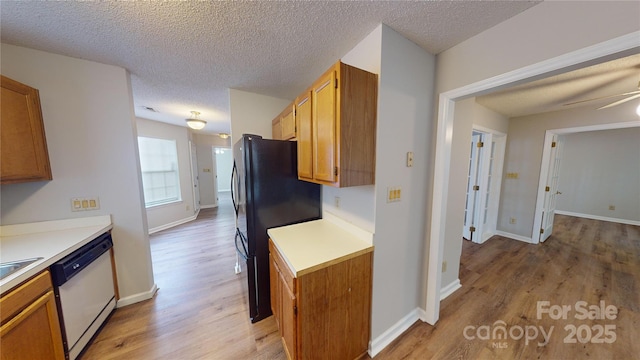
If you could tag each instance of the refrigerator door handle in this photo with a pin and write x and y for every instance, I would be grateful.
(234, 172)
(243, 252)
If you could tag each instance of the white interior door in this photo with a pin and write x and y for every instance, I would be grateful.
(551, 188)
(194, 177)
(473, 187)
(490, 185)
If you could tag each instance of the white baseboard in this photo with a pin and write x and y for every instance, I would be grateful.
(514, 236)
(175, 223)
(597, 217)
(378, 344)
(208, 206)
(137, 297)
(450, 289)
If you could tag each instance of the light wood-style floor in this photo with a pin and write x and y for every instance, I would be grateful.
(200, 311)
(503, 280)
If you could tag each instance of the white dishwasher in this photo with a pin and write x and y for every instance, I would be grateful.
(83, 284)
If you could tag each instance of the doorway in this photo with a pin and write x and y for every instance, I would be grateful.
(223, 159)
(444, 139)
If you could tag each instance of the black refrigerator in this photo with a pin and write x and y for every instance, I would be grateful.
(266, 193)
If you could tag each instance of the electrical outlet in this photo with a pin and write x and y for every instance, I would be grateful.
(336, 202)
(444, 266)
(394, 194)
(512, 220)
(85, 203)
(612, 207)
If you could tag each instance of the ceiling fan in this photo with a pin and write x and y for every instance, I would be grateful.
(629, 96)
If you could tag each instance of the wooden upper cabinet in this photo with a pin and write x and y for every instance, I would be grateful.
(324, 125)
(283, 127)
(288, 122)
(343, 128)
(276, 129)
(23, 147)
(305, 136)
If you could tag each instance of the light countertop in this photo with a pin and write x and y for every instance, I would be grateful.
(51, 240)
(313, 245)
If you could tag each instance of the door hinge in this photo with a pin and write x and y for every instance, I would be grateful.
(541, 231)
(335, 171)
(547, 189)
(480, 144)
(472, 229)
(295, 310)
(553, 144)
(476, 187)
(336, 83)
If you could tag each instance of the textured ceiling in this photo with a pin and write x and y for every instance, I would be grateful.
(598, 82)
(185, 55)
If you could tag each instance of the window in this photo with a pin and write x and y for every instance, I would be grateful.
(159, 165)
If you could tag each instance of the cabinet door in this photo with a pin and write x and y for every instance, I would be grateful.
(288, 318)
(276, 129)
(324, 128)
(274, 287)
(34, 333)
(305, 136)
(288, 123)
(23, 155)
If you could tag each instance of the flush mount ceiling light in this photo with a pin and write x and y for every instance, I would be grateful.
(223, 135)
(195, 122)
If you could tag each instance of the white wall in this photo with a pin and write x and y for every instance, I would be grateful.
(252, 113)
(159, 217)
(545, 31)
(405, 107)
(91, 136)
(599, 169)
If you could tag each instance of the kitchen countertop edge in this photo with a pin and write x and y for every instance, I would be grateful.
(276, 235)
(89, 233)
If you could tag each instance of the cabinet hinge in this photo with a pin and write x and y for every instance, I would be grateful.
(336, 83)
(547, 189)
(541, 231)
(335, 171)
(480, 144)
(476, 187)
(472, 229)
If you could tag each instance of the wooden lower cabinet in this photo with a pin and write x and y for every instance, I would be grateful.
(326, 314)
(30, 327)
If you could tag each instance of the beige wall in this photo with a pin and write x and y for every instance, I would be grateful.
(252, 113)
(599, 169)
(524, 156)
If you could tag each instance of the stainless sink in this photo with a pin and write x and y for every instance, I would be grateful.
(8, 268)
